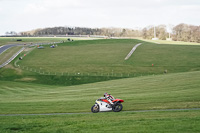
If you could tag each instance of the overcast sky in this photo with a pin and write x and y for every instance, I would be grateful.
(24, 15)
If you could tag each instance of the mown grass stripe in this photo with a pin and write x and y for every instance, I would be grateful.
(136, 111)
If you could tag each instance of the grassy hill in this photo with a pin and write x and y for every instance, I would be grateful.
(89, 61)
(149, 92)
(23, 91)
(107, 56)
(80, 62)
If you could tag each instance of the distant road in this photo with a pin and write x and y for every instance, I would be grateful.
(5, 47)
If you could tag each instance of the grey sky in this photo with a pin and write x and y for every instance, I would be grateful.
(24, 15)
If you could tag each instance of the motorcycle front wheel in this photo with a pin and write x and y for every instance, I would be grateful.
(117, 108)
(95, 108)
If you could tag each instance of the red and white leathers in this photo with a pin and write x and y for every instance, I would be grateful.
(110, 98)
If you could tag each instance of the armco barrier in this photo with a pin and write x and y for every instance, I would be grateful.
(132, 50)
(15, 55)
(12, 58)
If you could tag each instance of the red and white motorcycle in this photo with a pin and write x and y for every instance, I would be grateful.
(103, 104)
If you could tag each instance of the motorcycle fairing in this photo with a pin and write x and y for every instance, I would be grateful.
(104, 106)
(120, 100)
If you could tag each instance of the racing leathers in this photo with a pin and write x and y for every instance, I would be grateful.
(110, 98)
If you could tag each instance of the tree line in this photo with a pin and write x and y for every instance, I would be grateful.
(111, 32)
(181, 32)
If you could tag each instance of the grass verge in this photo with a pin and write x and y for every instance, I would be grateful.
(156, 122)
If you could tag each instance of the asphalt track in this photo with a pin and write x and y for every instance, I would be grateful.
(6, 47)
(136, 111)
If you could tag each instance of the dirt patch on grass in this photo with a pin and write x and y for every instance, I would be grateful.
(18, 71)
(28, 49)
(26, 79)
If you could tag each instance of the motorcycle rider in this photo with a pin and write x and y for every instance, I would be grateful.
(109, 97)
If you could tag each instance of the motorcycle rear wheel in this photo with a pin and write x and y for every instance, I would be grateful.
(117, 108)
(95, 109)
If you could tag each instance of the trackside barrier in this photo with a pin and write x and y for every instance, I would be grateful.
(131, 52)
(79, 74)
(12, 58)
(15, 55)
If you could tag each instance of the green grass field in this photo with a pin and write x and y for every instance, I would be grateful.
(141, 93)
(107, 56)
(169, 42)
(146, 88)
(100, 60)
(155, 122)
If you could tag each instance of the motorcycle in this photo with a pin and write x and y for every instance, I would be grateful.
(102, 105)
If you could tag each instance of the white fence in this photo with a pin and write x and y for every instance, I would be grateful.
(102, 74)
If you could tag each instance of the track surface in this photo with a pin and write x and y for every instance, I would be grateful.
(5, 47)
(91, 112)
